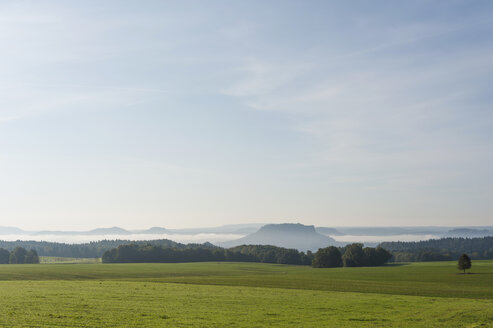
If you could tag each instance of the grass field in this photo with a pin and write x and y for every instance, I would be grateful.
(245, 295)
(55, 259)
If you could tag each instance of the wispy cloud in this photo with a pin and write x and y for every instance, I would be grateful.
(258, 78)
(382, 108)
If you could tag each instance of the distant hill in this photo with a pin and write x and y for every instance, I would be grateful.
(11, 231)
(153, 231)
(240, 229)
(288, 235)
(98, 231)
(108, 231)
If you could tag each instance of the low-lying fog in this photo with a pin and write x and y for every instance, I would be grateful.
(379, 239)
(79, 239)
(195, 238)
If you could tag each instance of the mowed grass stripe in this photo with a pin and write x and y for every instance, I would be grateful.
(146, 304)
(439, 279)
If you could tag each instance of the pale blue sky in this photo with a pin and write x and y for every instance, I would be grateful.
(201, 113)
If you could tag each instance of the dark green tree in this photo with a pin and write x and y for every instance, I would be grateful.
(31, 257)
(354, 256)
(376, 256)
(109, 256)
(464, 262)
(18, 256)
(328, 257)
(4, 256)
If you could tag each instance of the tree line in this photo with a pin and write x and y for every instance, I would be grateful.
(135, 253)
(351, 255)
(18, 255)
(444, 249)
(86, 250)
(430, 250)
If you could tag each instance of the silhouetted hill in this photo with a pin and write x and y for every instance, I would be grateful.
(98, 231)
(11, 231)
(153, 230)
(286, 235)
(108, 231)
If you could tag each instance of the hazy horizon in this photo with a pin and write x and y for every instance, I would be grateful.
(196, 114)
(194, 230)
(235, 233)
(84, 228)
(172, 228)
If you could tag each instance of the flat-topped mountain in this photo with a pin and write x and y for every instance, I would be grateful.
(289, 235)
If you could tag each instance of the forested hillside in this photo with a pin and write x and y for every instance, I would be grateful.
(92, 249)
(441, 249)
(134, 253)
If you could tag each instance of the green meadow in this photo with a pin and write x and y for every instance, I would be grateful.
(245, 295)
(56, 259)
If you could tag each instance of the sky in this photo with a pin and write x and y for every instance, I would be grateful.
(202, 113)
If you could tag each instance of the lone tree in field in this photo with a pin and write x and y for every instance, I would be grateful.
(464, 262)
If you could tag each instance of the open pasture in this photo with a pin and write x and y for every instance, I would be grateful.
(57, 259)
(245, 295)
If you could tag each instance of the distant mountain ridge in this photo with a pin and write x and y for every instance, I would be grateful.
(239, 229)
(97, 231)
(466, 232)
(245, 230)
(288, 235)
